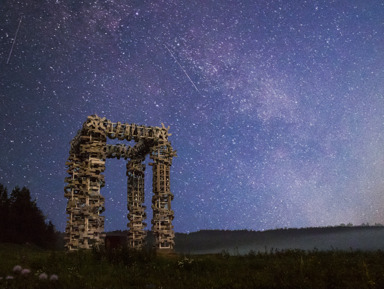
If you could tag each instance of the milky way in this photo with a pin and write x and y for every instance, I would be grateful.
(276, 108)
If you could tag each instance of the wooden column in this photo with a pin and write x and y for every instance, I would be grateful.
(136, 214)
(161, 201)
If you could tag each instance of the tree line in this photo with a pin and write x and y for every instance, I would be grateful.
(21, 220)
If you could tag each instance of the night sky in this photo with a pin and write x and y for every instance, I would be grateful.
(276, 108)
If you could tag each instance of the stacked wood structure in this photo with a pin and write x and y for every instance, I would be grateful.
(86, 163)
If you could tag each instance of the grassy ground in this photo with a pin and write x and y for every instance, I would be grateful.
(126, 269)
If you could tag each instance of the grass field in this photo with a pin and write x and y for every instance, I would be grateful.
(131, 269)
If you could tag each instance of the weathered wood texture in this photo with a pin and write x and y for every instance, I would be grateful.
(86, 163)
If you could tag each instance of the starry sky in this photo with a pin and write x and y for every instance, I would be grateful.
(276, 108)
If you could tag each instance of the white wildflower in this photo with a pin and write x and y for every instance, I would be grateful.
(43, 276)
(54, 277)
(17, 269)
(25, 272)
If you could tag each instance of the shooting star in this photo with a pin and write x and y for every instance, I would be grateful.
(14, 40)
(182, 68)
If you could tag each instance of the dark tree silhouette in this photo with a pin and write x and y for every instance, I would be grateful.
(4, 213)
(22, 221)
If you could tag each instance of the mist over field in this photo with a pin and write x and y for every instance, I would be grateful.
(242, 242)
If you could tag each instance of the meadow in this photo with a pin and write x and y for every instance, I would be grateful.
(124, 268)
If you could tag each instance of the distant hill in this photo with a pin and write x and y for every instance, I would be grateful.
(241, 242)
(365, 238)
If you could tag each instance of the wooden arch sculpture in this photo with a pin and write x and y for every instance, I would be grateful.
(86, 163)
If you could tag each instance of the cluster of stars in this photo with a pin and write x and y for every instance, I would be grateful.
(276, 109)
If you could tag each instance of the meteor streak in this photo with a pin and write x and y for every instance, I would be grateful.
(14, 40)
(182, 68)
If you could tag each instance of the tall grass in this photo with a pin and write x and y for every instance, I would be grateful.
(124, 268)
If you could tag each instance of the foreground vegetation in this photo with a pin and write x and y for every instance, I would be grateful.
(122, 268)
(24, 264)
